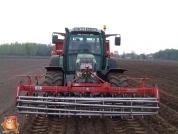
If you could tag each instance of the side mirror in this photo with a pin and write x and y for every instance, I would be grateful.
(55, 39)
(117, 41)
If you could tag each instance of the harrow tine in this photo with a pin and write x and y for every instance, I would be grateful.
(80, 107)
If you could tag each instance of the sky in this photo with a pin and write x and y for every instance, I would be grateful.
(146, 26)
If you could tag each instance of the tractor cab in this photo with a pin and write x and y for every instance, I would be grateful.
(84, 41)
(84, 44)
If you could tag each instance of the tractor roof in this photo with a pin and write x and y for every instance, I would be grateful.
(85, 29)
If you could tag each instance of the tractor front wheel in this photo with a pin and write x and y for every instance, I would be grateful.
(117, 80)
(54, 78)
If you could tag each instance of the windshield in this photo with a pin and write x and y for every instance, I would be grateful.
(84, 43)
(80, 43)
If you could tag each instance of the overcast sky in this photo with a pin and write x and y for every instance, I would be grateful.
(145, 26)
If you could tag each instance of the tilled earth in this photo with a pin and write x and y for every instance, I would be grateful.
(163, 73)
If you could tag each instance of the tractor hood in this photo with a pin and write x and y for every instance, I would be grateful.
(83, 61)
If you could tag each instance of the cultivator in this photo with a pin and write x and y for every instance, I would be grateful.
(87, 99)
(83, 79)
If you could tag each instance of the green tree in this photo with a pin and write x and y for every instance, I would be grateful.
(27, 49)
(167, 54)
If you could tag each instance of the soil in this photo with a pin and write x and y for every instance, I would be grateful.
(163, 73)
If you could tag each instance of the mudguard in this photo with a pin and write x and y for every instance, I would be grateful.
(104, 73)
(50, 68)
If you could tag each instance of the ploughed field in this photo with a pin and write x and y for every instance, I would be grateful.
(163, 73)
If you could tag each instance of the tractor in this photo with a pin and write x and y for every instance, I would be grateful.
(83, 79)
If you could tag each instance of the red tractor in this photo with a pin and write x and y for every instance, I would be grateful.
(83, 79)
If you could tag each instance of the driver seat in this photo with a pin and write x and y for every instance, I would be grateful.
(84, 47)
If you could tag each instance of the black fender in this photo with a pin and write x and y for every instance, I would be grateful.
(112, 68)
(115, 70)
(103, 74)
(54, 68)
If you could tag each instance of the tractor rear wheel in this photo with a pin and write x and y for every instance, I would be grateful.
(117, 80)
(54, 78)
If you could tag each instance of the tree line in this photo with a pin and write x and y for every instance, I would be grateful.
(35, 49)
(26, 49)
(131, 55)
(167, 54)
